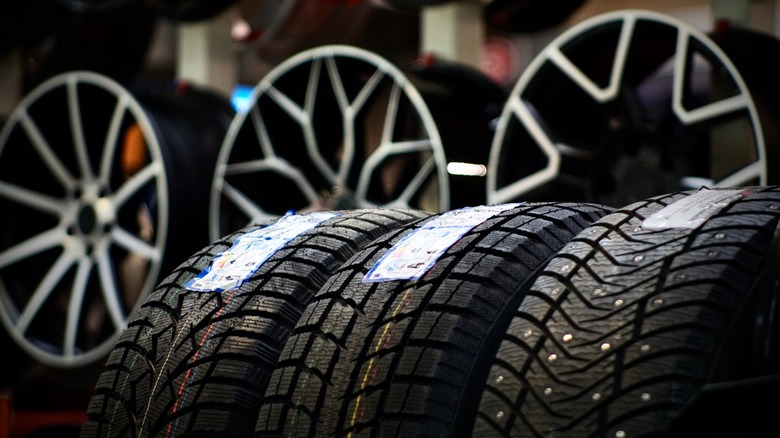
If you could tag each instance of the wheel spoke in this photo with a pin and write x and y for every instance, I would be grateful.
(350, 112)
(721, 108)
(310, 138)
(405, 147)
(44, 289)
(136, 182)
(303, 118)
(279, 166)
(712, 111)
(262, 133)
(516, 188)
(288, 105)
(574, 73)
(77, 129)
(381, 153)
(112, 139)
(135, 244)
(29, 198)
(391, 114)
(255, 213)
(733, 104)
(336, 83)
(34, 245)
(312, 85)
(75, 303)
(367, 90)
(415, 184)
(44, 150)
(109, 286)
(743, 176)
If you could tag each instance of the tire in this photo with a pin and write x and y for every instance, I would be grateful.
(196, 363)
(628, 329)
(403, 357)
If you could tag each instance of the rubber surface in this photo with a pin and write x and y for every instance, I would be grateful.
(195, 363)
(401, 358)
(625, 325)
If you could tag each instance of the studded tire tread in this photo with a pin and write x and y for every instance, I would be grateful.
(626, 325)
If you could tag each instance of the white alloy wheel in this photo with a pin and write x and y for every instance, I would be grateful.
(84, 201)
(334, 127)
(623, 106)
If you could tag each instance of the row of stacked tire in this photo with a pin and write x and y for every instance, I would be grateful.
(527, 319)
(119, 204)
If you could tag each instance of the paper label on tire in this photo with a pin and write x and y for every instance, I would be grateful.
(692, 210)
(233, 267)
(418, 251)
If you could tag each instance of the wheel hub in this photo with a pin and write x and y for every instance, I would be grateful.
(87, 219)
(93, 215)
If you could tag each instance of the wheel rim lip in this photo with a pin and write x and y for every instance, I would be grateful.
(8, 309)
(308, 56)
(552, 170)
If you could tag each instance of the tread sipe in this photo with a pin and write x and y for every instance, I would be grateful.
(403, 357)
(196, 363)
(629, 324)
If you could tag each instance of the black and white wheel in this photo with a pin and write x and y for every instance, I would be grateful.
(333, 127)
(94, 204)
(197, 362)
(624, 106)
(658, 320)
(404, 357)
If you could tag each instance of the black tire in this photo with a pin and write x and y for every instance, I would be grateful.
(196, 363)
(189, 10)
(527, 16)
(107, 37)
(403, 358)
(629, 328)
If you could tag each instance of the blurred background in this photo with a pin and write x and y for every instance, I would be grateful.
(193, 65)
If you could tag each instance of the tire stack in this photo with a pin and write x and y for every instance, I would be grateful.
(542, 319)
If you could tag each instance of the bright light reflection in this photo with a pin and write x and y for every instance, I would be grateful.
(466, 169)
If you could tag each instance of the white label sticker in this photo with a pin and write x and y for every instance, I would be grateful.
(412, 256)
(692, 210)
(233, 267)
